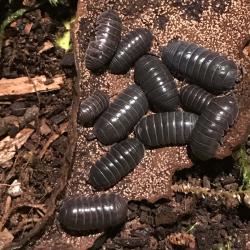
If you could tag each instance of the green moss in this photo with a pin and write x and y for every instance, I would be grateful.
(64, 41)
(241, 159)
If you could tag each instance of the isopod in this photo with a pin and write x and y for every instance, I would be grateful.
(91, 108)
(121, 116)
(122, 158)
(107, 37)
(201, 66)
(212, 125)
(195, 99)
(135, 44)
(168, 128)
(157, 82)
(93, 213)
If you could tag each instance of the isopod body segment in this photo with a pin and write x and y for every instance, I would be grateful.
(107, 37)
(91, 108)
(164, 129)
(201, 66)
(157, 82)
(195, 99)
(212, 125)
(93, 213)
(121, 116)
(117, 163)
(135, 44)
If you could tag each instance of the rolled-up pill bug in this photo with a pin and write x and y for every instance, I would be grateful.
(157, 82)
(107, 37)
(211, 126)
(201, 66)
(112, 167)
(93, 213)
(135, 44)
(92, 107)
(195, 99)
(168, 128)
(121, 116)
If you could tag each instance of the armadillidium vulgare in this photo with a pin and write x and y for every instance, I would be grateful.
(168, 128)
(195, 99)
(121, 116)
(107, 37)
(157, 82)
(122, 158)
(135, 44)
(211, 126)
(201, 66)
(91, 108)
(93, 213)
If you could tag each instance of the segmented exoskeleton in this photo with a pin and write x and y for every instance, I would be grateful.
(93, 213)
(122, 158)
(91, 108)
(211, 126)
(163, 129)
(157, 82)
(195, 99)
(201, 66)
(107, 37)
(121, 116)
(135, 44)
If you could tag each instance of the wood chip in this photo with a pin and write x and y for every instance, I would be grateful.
(25, 85)
(46, 46)
(182, 239)
(9, 146)
(5, 238)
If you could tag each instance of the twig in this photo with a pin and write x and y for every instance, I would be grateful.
(6, 212)
(25, 225)
(206, 192)
(52, 138)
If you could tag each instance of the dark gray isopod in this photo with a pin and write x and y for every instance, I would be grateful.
(211, 126)
(93, 213)
(112, 167)
(107, 37)
(121, 116)
(157, 82)
(201, 66)
(91, 108)
(194, 98)
(163, 129)
(135, 44)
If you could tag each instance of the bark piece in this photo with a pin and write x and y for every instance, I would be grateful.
(24, 85)
(9, 146)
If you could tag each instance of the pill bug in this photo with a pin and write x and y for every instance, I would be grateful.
(135, 44)
(201, 66)
(91, 108)
(157, 82)
(93, 213)
(122, 158)
(121, 116)
(194, 99)
(168, 128)
(107, 37)
(211, 126)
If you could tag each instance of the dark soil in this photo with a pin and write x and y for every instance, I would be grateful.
(202, 221)
(37, 164)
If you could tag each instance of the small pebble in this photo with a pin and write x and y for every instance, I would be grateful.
(15, 189)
